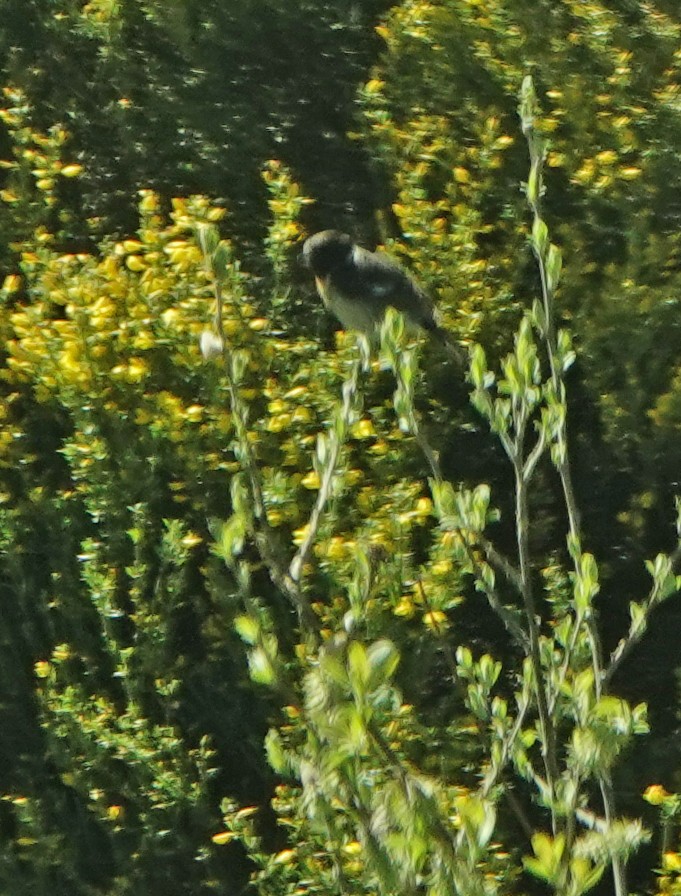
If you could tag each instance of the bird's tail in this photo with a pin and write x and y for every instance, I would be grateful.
(450, 345)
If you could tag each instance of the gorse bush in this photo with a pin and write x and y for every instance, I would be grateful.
(440, 110)
(116, 456)
(194, 97)
(106, 450)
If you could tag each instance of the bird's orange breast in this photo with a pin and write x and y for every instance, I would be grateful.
(322, 290)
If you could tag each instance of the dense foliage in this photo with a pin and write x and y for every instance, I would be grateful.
(285, 607)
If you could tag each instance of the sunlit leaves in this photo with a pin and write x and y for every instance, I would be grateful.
(573, 875)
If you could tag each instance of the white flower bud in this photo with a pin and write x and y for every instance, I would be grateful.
(211, 344)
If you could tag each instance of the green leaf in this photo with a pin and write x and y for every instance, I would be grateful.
(540, 232)
(247, 628)
(359, 670)
(478, 818)
(232, 537)
(586, 582)
(464, 659)
(208, 238)
(478, 370)
(332, 666)
(488, 670)
(528, 108)
(554, 264)
(538, 316)
(322, 449)
(637, 614)
(260, 667)
(222, 259)
(276, 755)
(383, 660)
(239, 361)
(547, 856)
(584, 875)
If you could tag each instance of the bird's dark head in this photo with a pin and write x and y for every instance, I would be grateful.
(327, 250)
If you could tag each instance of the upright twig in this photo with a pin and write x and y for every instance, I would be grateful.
(329, 449)
(235, 362)
(549, 263)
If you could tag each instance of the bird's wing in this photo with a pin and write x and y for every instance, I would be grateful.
(378, 274)
(385, 281)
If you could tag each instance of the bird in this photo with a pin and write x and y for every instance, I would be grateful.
(358, 286)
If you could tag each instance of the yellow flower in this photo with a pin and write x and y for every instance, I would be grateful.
(137, 370)
(275, 517)
(655, 795)
(296, 392)
(671, 861)
(149, 201)
(585, 173)
(144, 340)
(135, 263)
(183, 254)
(246, 812)
(555, 159)
(441, 568)
(279, 423)
(380, 448)
(42, 669)
(449, 538)
(424, 507)
(132, 372)
(170, 317)
(71, 170)
(222, 838)
(374, 85)
(11, 283)
(363, 429)
(61, 652)
(194, 413)
(435, 619)
(336, 549)
(405, 607)
(311, 481)
(299, 535)
(302, 415)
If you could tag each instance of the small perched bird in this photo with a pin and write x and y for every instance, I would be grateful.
(357, 286)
